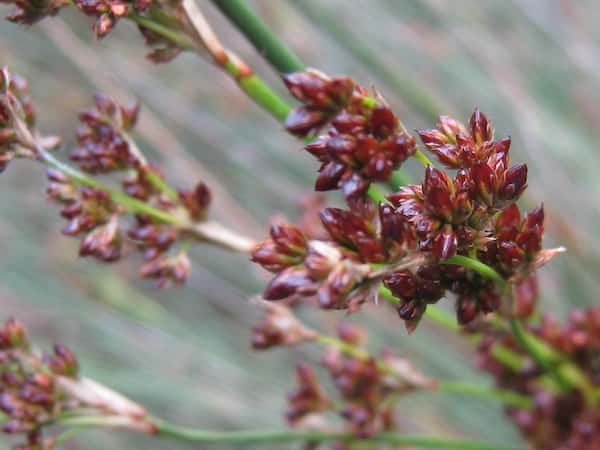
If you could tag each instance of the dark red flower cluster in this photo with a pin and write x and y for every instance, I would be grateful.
(90, 212)
(105, 147)
(365, 142)
(307, 398)
(103, 143)
(558, 419)
(336, 270)
(470, 214)
(29, 393)
(366, 386)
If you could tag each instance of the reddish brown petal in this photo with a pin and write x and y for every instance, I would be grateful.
(481, 129)
(329, 176)
(286, 284)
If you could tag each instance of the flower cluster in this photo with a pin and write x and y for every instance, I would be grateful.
(366, 386)
(279, 327)
(335, 271)
(147, 215)
(558, 419)
(106, 147)
(409, 242)
(470, 214)
(176, 34)
(365, 141)
(30, 394)
(37, 389)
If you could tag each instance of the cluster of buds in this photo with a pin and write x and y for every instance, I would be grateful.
(279, 327)
(106, 14)
(37, 389)
(149, 216)
(30, 394)
(470, 214)
(365, 142)
(337, 271)
(408, 242)
(558, 419)
(366, 387)
(103, 143)
(90, 212)
(105, 147)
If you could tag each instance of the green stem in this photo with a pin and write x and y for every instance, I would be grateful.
(161, 185)
(176, 37)
(252, 85)
(479, 267)
(565, 374)
(276, 436)
(432, 312)
(422, 158)
(131, 204)
(245, 437)
(507, 397)
(260, 35)
(255, 88)
(376, 194)
(344, 347)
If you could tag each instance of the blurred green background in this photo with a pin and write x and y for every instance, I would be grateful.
(532, 65)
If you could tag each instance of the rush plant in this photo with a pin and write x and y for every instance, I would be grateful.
(457, 235)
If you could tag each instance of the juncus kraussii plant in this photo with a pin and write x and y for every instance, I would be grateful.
(457, 234)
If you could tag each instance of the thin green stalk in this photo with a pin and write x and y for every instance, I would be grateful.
(176, 37)
(161, 185)
(507, 397)
(275, 52)
(479, 267)
(422, 158)
(162, 428)
(565, 374)
(252, 85)
(255, 88)
(344, 347)
(376, 194)
(277, 436)
(130, 203)
(399, 179)
(432, 312)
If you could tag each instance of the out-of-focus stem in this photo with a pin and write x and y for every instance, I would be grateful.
(131, 204)
(162, 428)
(422, 158)
(211, 232)
(249, 82)
(155, 180)
(509, 398)
(564, 373)
(216, 233)
(252, 85)
(176, 37)
(271, 48)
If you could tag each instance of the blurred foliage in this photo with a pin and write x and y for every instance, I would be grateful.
(531, 65)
